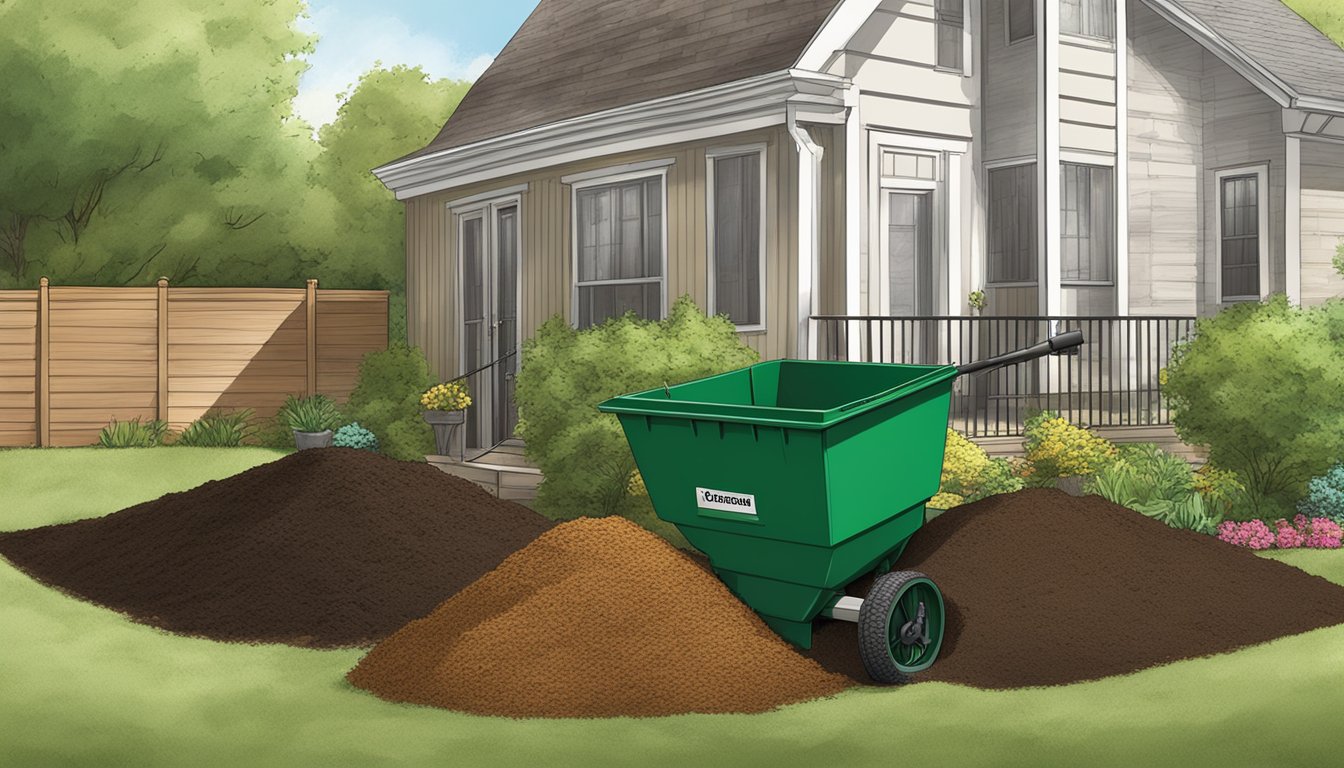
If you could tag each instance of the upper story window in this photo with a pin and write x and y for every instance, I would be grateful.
(1090, 18)
(736, 236)
(1021, 20)
(1086, 223)
(1241, 243)
(1012, 224)
(949, 17)
(619, 233)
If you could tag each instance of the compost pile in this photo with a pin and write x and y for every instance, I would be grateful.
(1043, 588)
(329, 547)
(597, 617)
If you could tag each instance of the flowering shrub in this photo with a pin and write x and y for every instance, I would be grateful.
(1055, 448)
(452, 396)
(1311, 533)
(1325, 495)
(969, 474)
(1221, 488)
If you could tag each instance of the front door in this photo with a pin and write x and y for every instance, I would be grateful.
(489, 252)
(911, 273)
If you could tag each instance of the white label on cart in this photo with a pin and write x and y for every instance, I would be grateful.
(742, 503)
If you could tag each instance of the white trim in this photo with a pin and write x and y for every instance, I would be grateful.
(1261, 171)
(1084, 157)
(952, 251)
(1292, 251)
(895, 140)
(1047, 169)
(615, 170)
(900, 182)
(474, 201)
(809, 244)
(712, 155)
(742, 105)
(854, 240)
(970, 16)
(846, 19)
(615, 175)
(1121, 158)
(1008, 162)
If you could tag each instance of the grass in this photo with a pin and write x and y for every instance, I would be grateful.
(82, 686)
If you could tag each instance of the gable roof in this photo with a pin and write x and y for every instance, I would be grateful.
(1275, 38)
(576, 57)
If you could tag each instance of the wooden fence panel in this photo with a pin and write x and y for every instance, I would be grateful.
(71, 358)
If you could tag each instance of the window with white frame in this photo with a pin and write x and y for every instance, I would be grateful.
(1012, 224)
(1020, 19)
(1086, 223)
(949, 18)
(736, 236)
(619, 233)
(1090, 18)
(1242, 239)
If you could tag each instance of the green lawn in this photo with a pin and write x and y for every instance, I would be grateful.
(80, 685)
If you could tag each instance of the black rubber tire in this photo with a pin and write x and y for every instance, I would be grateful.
(874, 615)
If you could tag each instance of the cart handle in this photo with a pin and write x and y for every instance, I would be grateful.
(1052, 345)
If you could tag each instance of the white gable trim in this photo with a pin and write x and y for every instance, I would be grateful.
(846, 18)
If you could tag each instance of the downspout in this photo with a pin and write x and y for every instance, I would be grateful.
(853, 209)
(809, 245)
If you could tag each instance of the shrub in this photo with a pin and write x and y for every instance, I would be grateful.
(969, 474)
(1055, 448)
(355, 436)
(1259, 386)
(133, 433)
(386, 401)
(1222, 489)
(316, 413)
(1155, 483)
(450, 396)
(564, 375)
(1312, 533)
(217, 430)
(1325, 496)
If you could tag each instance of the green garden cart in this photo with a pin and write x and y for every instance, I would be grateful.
(796, 477)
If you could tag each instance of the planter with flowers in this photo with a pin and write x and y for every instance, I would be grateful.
(445, 410)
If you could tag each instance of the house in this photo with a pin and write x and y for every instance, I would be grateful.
(797, 165)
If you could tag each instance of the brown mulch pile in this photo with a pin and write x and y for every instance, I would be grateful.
(1043, 588)
(328, 547)
(595, 618)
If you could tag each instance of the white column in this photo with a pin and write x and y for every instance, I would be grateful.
(854, 197)
(1047, 157)
(809, 162)
(1292, 251)
(1122, 158)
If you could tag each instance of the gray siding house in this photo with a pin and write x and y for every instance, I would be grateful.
(839, 177)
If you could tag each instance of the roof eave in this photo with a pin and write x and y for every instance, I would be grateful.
(719, 110)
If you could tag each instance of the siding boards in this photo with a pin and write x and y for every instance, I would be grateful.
(1322, 219)
(1010, 84)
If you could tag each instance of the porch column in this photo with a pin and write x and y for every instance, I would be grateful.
(1047, 155)
(809, 244)
(1292, 251)
(1122, 158)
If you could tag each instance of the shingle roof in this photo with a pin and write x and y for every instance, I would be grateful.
(576, 57)
(1276, 38)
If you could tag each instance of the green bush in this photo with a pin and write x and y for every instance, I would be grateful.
(969, 474)
(386, 401)
(355, 436)
(1056, 448)
(1259, 386)
(564, 375)
(133, 433)
(316, 413)
(1158, 484)
(218, 430)
(1325, 496)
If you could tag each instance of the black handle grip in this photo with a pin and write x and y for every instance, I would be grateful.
(1052, 345)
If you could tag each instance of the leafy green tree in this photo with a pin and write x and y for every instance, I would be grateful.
(1259, 386)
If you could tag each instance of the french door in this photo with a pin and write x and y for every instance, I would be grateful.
(911, 272)
(489, 258)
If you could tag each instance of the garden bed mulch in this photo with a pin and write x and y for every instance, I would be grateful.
(1043, 588)
(326, 548)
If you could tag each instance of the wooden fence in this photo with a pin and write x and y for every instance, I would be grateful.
(72, 358)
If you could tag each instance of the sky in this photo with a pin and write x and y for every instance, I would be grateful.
(450, 38)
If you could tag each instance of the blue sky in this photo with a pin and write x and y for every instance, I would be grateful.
(456, 39)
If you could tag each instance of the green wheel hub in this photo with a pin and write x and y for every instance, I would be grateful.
(901, 626)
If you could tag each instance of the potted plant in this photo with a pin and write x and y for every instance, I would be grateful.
(312, 419)
(445, 409)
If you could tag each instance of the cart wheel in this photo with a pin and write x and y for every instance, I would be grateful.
(900, 626)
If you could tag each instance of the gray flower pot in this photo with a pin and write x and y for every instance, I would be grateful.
(445, 423)
(1072, 485)
(306, 440)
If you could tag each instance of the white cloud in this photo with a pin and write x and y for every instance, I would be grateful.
(350, 43)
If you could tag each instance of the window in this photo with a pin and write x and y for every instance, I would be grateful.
(1091, 18)
(949, 19)
(1021, 20)
(736, 246)
(1012, 224)
(619, 250)
(1240, 234)
(1086, 223)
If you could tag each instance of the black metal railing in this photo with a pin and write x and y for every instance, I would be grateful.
(1111, 380)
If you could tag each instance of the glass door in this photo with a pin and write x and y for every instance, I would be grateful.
(490, 256)
(911, 273)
